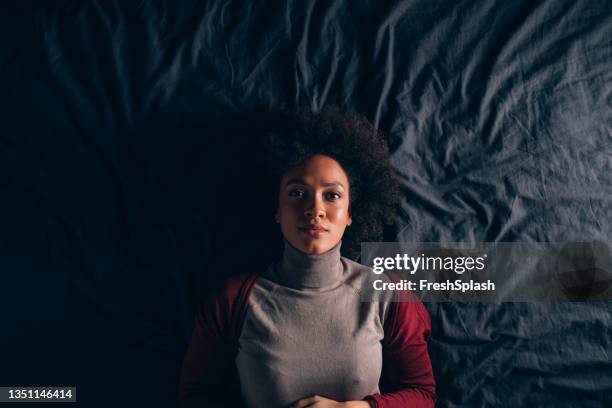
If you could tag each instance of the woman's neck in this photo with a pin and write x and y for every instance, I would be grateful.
(299, 270)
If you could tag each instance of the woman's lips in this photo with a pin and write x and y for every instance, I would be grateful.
(314, 231)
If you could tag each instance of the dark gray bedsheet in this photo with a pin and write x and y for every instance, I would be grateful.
(118, 120)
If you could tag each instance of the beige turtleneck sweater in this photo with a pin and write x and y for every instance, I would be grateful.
(308, 331)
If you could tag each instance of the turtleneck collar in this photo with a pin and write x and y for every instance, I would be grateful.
(299, 270)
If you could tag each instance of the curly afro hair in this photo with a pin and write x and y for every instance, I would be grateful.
(361, 150)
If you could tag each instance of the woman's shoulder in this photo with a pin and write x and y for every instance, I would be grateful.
(397, 304)
(362, 279)
(234, 286)
(222, 312)
(363, 273)
(231, 293)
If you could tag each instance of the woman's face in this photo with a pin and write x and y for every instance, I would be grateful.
(313, 204)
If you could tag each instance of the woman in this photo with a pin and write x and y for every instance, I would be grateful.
(299, 334)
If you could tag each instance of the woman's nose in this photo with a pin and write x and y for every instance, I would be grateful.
(314, 209)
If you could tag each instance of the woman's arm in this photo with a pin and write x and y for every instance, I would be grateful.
(206, 377)
(407, 377)
(209, 377)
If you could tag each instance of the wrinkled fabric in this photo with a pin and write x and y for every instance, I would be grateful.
(126, 126)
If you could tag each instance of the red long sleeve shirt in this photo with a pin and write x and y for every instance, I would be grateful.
(210, 379)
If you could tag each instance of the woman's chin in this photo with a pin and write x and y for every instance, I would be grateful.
(316, 247)
(311, 245)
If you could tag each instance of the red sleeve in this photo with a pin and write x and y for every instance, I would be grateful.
(209, 377)
(407, 377)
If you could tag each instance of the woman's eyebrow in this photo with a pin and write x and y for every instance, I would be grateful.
(295, 181)
(333, 183)
(302, 182)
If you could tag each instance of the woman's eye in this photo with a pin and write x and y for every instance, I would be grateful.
(333, 196)
(296, 193)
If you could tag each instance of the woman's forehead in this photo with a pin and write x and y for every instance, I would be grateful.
(318, 169)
